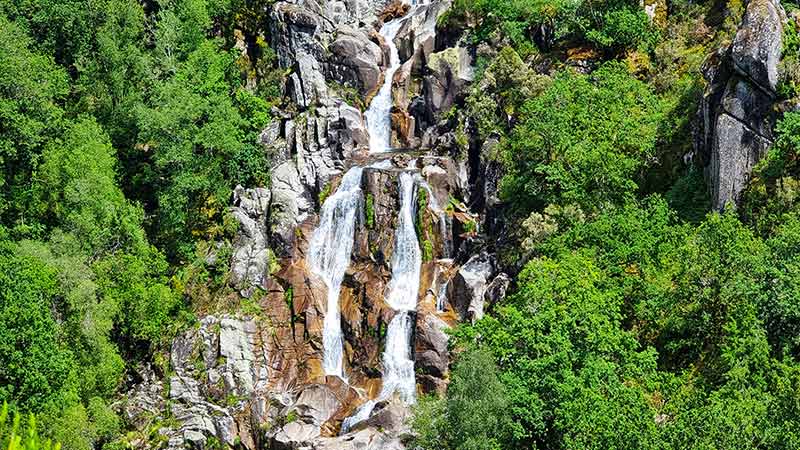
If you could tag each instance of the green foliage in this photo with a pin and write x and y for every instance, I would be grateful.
(503, 88)
(789, 66)
(369, 210)
(32, 88)
(117, 116)
(550, 360)
(625, 27)
(774, 189)
(474, 416)
(13, 437)
(611, 24)
(138, 285)
(36, 367)
(79, 191)
(583, 141)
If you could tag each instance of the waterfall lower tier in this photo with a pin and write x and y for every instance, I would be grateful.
(406, 257)
(329, 255)
(398, 365)
(378, 115)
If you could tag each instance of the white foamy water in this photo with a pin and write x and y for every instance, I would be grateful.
(406, 256)
(378, 115)
(403, 289)
(329, 255)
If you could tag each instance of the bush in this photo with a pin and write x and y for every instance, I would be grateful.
(474, 416)
(583, 141)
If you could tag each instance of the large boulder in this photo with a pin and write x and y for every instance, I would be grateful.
(295, 435)
(356, 61)
(756, 49)
(250, 261)
(450, 72)
(736, 115)
(432, 358)
(469, 286)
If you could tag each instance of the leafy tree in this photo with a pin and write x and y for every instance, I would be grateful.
(32, 88)
(583, 141)
(474, 416)
(80, 195)
(36, 368)
(138, 284)
(201, 145)
(560, 348)
(623, 27)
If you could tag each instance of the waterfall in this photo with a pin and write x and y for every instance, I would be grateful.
(406, 257)
(440, 213)
(378, 115)
(403, 290)
(398, 370)
(329, 254)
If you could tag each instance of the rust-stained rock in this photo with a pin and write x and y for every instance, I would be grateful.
(393, 10)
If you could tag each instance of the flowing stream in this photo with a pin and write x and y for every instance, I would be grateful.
(378, 115)
(329, 253)
(332, 244)
(398, 366)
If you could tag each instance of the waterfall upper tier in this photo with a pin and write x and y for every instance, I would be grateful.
(378, 115)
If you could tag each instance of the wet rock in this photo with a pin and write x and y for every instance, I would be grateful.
(389, 416)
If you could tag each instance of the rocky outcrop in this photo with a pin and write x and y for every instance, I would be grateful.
(432, 353)
(250, 263)
(450, 72)
(737, 112)
(356, 61)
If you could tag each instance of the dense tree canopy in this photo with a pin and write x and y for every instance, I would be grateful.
(636, 319)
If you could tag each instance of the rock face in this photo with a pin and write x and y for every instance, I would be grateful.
(356, 61)
(253, 377)
(250, 261)
(450, 73)
(756, 49)
(737, 114)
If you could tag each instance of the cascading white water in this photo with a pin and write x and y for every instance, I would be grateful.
(329, 255)
(378, 115)
(398, 366)
(406, 256)
(398, 370)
